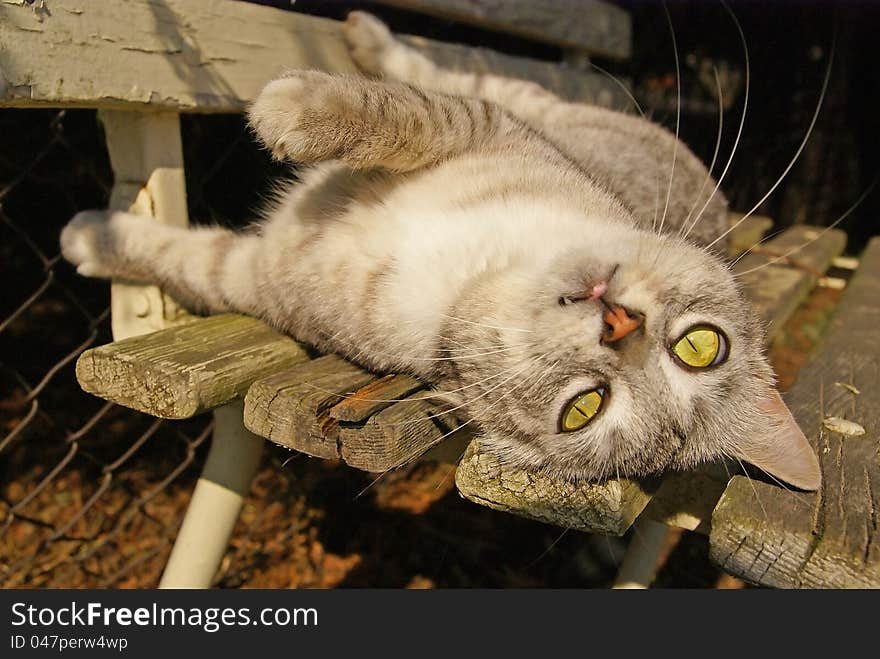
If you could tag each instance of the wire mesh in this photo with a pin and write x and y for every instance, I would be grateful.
(91, 494)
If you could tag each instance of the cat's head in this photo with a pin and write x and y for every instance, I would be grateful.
(687, 381)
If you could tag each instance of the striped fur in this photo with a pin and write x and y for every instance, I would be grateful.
(444, 218)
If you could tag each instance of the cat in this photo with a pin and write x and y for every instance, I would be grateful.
(524, 255)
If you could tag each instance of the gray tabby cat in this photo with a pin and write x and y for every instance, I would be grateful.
(519, 252)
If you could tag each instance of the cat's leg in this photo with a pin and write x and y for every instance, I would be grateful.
(309, 116)
(204, 268)
(376, 51)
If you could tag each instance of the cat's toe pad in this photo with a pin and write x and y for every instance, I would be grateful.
(85, 242)
(368, 40)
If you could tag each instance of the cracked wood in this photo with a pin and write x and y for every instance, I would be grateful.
(185, 370)
(774, 537)
(205, 56)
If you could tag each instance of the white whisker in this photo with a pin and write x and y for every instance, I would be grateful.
(769, 236)
(794, 250)
(714, 158)
(457, 428)
(677, 118)
(431, 396)
(754, 489)
(800, 148)
(742, 119)
(499, 327)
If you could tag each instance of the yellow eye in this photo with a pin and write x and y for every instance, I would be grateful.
(701, 347)
(581, 409)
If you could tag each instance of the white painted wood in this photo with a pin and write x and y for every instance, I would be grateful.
(216, 502)
(147, 160)
(639, 565)
(204, 55)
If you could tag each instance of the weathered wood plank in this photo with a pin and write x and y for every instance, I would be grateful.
(748, 232)
(181, 371)
(774, 537)
(609, 507)
(292, 408)
(776, 290)
(686, 499)
(396, 435)
(331, 408)
(206, 56)
(374, 397)
(597, 27)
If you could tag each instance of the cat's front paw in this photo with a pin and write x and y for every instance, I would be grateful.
(305, 116)
(87, 243)
(275, 113)
(369, 40)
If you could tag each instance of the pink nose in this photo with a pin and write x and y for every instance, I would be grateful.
(597, 290)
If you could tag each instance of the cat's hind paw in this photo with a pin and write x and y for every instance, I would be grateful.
(87, 243)
(369, 40)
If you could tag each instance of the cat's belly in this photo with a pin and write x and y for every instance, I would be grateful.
(378, 286)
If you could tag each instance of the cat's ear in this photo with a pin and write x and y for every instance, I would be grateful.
(780, 448)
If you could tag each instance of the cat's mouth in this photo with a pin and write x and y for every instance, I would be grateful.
(619, 321)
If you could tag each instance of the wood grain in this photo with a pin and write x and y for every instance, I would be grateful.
(182, 371)
(374, 398)
(608, 507)
(774, 537)
(292, 407)
(781, 273)
(396, 435)
(599, 28)
(205, 56)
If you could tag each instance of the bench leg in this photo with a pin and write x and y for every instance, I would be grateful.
(216, 502)
(639, 565)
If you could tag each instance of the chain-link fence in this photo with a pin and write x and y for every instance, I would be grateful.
(90, 490)
(91, 493)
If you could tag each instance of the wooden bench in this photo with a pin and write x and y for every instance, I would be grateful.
(327, 407)
(830, 538)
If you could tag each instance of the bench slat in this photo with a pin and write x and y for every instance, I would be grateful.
(776, 291)
(206, 56)
(330, 408)
(374, 398)
(395, 435)
(608, 507)
(770, 536)
(181, 371)
(292, 407)
(600, 28)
